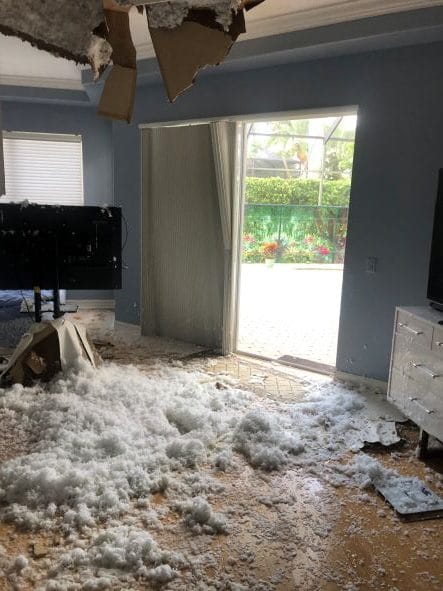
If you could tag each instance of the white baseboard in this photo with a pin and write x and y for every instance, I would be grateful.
(352, 379)
(92, 304)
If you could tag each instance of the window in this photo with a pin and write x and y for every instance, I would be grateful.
(43, 168)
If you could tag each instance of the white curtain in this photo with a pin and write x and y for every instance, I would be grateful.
(2, 163)
(228, 146)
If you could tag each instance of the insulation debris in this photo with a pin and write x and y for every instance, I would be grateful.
(66, 30)
(108, 435)
(200, 517)
(117, 455)
(172, 14)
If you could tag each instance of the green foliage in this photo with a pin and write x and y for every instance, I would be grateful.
(338, 160)
(296, 191)
(303, 234)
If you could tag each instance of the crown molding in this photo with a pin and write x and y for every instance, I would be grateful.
(333, 13)
(38, 82)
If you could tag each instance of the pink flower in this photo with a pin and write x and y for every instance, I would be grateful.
(323, 250)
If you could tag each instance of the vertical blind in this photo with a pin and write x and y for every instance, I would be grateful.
(43, 168)
(2, 168)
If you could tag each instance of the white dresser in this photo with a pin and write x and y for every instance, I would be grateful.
(416, 374)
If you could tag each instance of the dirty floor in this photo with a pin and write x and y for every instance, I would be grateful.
(290, 530)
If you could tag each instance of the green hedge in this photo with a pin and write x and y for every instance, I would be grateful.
(296, 191)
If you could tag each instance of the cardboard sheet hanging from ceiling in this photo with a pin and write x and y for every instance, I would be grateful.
(117, 100)
(199, 40)
(96, 32)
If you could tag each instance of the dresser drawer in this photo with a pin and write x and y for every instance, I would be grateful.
(437, 341)
(426, 416)
(430, 399)
(401, 387)
(424, 369)
(408, 350)
(417, 331)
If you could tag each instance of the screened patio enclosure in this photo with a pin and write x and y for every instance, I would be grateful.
(296, 193)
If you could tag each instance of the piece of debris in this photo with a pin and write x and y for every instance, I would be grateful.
(48, 348)
(66, 30)
(410, 497)
(39, 550)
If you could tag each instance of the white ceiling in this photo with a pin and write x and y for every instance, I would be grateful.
(21, 64)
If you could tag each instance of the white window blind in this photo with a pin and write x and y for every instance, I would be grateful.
(43, 168)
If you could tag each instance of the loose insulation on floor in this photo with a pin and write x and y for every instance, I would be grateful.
(103, 441)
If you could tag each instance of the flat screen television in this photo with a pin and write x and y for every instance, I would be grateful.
(435, 284)
(59, 247)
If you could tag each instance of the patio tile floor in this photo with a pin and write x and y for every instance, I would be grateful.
(287, 310)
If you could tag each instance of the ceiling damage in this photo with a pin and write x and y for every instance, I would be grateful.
(187, 35)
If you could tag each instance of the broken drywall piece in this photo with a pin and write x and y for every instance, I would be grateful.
(198, 42)
(187, 35)
(66, 30)
(117, 100)
(47, 349)
(409, 496)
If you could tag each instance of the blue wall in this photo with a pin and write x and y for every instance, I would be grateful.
(97, 149)
(399, 148)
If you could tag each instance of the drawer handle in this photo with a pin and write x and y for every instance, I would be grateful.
(405, 326)
(427, 410)
(426, 370)
(439, 343)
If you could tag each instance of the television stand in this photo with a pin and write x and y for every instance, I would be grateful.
(37, 304)
(416, 374)
(58, 310)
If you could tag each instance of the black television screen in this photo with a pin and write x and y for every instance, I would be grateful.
(66, 247)
(435, 285)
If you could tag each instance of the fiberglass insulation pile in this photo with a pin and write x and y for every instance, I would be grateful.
(171, 14)
(62, 27)
(105, 439)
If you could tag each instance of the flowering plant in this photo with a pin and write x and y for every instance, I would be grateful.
(269, 249)
(323, 250)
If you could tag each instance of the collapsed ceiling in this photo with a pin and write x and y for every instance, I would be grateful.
(187, 35)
